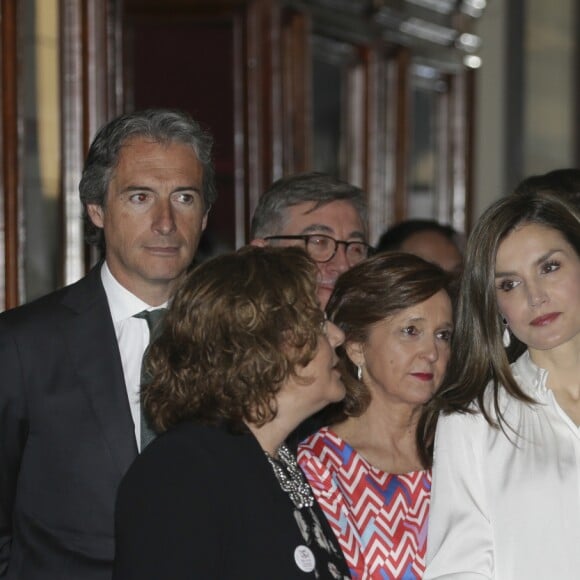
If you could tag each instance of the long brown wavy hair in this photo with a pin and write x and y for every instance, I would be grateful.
(478, 356)
(238, 327)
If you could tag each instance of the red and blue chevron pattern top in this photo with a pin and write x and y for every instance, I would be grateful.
(380, 519)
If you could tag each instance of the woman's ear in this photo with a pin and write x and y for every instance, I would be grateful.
(355, 353)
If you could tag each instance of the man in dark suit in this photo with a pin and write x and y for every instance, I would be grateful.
(70, 362)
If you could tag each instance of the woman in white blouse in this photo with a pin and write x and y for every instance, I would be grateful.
(506, 469)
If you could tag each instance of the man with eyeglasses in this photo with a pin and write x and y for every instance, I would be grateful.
(326, 216)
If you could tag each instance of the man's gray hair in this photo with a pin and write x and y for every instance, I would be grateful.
(163, 126)
(320, 188)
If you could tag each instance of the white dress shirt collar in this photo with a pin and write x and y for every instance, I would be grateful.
(132, 338)
(122, 303)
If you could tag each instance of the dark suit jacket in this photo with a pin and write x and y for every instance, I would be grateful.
(66, 435)
(202, 503)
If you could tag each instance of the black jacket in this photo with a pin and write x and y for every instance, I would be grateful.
(202, 503)
(66, 435)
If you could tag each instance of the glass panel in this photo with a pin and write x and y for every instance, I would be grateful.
(422, 178)
(41, 162)
(549, 97)
(333, 68)
(426, 157)
(327, 91)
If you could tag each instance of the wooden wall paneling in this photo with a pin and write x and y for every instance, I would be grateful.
(73, 137)
(241, 178)
(100, 81)
(89, 78)
(402, 132)
(114, 57)
(575, 87)
(390, 136)
(444, 154)
(95, 66)
(253, 164)
(271, 89)
(461, 135)
(272, 92)
(470, 79)
(193, 46)
(296, 91)
(353, 152)
(11, 145)
(457, 152)
(264, 161)
(369, 108)
(456, 131)
(515, 87)
(378, 183)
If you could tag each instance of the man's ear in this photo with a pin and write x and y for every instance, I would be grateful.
(96, 214)
(259, 242)
(355, 352)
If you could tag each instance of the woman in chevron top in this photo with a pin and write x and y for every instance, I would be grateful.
(395, 311)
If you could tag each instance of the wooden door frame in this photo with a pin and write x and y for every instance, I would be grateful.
(11, 147)
(91, 94)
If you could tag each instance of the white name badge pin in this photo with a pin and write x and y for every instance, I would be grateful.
(304, 558)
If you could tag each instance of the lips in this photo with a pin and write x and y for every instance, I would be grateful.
(163, 250)
(423, 376)
(545, 319)
(326, 284)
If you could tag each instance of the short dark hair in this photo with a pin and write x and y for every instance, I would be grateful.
(160, 125)
(316, 187)
(394, 237)
(563, 182)
(238, 327)
(368, 293)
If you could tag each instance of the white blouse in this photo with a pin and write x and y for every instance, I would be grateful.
(507, 509)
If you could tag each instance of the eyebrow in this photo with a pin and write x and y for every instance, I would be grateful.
(541, 259)
(131, 188)
(321, 228)
(447, 324)
(415, 319)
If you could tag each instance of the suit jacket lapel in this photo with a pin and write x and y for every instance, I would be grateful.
(91, 338)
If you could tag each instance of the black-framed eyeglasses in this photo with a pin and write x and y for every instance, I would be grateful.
(322, 248)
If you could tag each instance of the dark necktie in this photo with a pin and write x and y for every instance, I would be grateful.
(153, 319)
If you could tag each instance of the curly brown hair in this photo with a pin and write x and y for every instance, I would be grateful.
(369, 292)
(238, 327)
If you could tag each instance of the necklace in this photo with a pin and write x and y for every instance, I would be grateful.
(290, 478)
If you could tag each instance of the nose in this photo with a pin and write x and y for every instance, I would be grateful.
(339, 263)
(335, 334)
(536, 294)
(430, 350)
(163, 217)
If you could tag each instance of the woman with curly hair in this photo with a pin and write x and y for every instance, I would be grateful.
(395, 311)
(245, 355)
